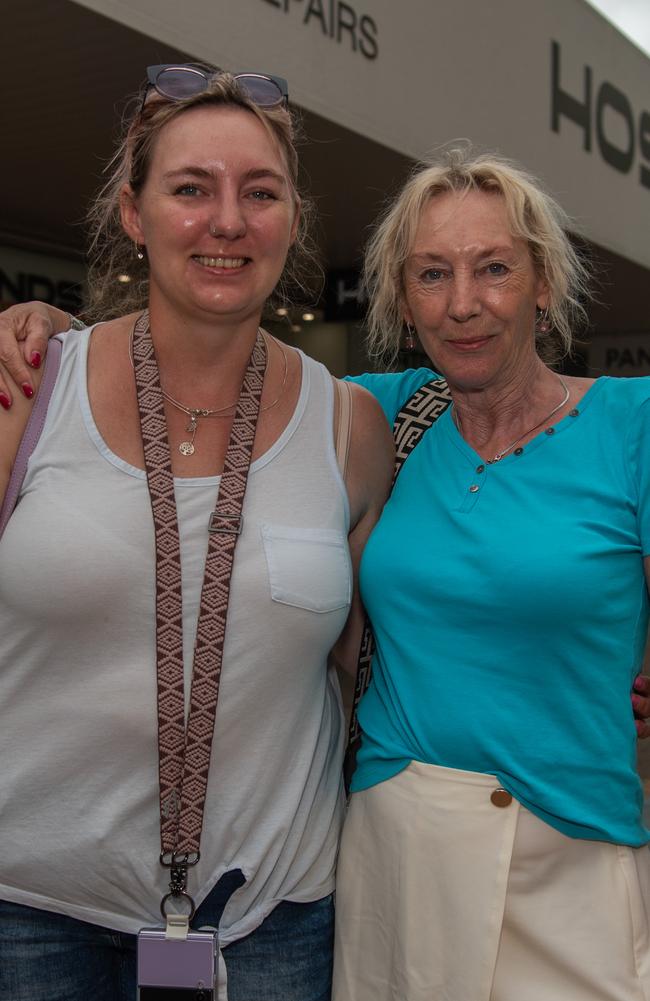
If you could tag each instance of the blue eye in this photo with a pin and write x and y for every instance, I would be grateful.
(261, 196)
(187, 189)
(496, 268)
(432, 275)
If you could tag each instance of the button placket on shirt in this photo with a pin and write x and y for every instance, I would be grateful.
(477, 483)
(478, 477)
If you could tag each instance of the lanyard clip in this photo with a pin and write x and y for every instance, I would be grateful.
(178, 864)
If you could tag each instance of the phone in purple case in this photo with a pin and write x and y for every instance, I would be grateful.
(171, 969)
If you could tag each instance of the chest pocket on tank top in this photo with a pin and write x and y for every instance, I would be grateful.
(308, 567)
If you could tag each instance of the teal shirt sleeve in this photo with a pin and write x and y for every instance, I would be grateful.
(393, 389)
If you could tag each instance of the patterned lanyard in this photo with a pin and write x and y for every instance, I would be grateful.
(184, 753)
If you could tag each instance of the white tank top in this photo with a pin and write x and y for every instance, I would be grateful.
(78, 740)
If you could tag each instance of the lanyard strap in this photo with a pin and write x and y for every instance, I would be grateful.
(184, 752)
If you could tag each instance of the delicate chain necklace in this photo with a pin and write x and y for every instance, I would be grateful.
(196, 413)
(504, 451)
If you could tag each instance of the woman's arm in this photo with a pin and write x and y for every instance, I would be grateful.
(370, 470)
(641, 694)
(13, 428)
(24, 332)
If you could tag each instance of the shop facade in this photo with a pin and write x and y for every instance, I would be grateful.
(552, 85)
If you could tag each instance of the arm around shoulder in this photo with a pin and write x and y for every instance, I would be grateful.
(14, 422)
(25, 330)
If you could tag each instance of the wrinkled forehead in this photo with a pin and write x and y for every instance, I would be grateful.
(470, 207)
(474, 219)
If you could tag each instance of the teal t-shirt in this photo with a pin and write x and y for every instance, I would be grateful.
(510, 610)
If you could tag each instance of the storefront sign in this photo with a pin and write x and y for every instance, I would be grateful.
(622, 136)
(620, 354)
(552, 85)
(343, 297)
(337, 20)
(25, 275)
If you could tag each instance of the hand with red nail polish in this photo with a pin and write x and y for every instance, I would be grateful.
(641, 705)
(27, 390)
(24, 333)
(5, 402)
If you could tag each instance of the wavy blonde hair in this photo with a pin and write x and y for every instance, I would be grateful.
(111, 252)
(533, 214)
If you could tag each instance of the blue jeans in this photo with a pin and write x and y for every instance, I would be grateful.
(51, 957)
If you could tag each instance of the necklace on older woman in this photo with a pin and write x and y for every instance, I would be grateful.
(196, 413)
(504, 451)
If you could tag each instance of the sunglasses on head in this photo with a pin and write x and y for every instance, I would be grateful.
(177, 82)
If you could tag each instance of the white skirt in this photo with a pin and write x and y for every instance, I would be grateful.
(449, 890)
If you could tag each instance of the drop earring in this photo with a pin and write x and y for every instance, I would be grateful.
(409, 338)
(542, 321)
(139, 252)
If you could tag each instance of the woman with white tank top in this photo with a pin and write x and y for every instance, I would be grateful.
(202, 209)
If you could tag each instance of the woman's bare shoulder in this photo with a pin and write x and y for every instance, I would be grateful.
(371, 456)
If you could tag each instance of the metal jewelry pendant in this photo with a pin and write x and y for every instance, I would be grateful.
(187, 447)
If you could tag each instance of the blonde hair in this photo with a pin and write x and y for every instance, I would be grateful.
(111, 252)
(533, 214)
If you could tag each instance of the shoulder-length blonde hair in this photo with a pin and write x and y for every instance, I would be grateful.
(534, 217)
(111, 253)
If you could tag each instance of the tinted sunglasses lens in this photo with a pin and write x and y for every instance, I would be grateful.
(260, 89)
(178, 83)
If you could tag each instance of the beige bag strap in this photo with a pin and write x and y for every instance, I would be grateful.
(343, 396)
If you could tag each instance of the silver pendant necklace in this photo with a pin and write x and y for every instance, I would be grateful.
(504, 451)
(196, 413)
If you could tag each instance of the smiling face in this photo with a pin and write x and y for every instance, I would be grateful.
(217, 214)
(471, 290)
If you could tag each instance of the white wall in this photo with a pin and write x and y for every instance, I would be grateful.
(418, 73)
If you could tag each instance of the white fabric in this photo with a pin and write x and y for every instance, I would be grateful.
(443, 896)
(78, 744)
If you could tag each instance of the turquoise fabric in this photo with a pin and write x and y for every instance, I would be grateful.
(511, 619)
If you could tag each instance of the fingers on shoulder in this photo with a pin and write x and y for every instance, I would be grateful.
(33, 321)
(24, 337)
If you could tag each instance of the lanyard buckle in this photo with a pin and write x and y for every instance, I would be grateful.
(225, 524)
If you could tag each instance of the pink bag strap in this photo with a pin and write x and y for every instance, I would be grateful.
(32, 431)
(184, 752)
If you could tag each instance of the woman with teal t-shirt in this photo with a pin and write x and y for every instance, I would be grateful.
(493, 849)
